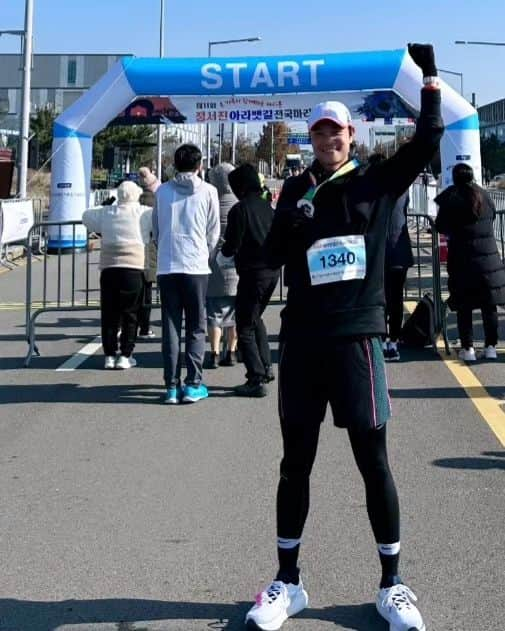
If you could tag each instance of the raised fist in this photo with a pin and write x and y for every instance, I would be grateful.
(424, 57)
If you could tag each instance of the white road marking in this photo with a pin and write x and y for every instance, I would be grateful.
(81, 356)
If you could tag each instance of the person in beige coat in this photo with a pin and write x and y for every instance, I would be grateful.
(125, 230)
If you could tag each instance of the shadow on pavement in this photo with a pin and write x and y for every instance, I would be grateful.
(149, 393)
(497, 454)
(445, 393)
(222, 391)
(20, 615)
(471, 462)
(76, 393)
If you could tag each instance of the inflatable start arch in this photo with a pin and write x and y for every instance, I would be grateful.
(248, 89)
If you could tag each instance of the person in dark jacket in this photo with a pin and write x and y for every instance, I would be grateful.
(222, 287)
(398, 259)
(249, 222)
(330, 229)
(476, 273)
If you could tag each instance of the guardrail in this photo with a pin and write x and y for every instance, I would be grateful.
(75, 287)
(58, 289)
(426, 275)
(498, 198)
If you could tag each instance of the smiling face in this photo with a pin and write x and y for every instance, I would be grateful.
(331, 143)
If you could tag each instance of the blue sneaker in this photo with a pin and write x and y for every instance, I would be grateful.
(173, 395)
(191, 394)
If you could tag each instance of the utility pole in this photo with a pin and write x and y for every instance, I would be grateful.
(25, 111)
(233, 143)
(221, 141)
(159, 144)
(272, 152)
(233, 125)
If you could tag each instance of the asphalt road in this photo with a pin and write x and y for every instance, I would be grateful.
(120, 514)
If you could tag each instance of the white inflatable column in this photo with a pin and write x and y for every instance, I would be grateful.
(72, 151)
(461, 143)
(70, 184)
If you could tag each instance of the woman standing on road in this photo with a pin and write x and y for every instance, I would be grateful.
(476, 273)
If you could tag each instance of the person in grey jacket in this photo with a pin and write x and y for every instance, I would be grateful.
(223, 281)
(186, 230)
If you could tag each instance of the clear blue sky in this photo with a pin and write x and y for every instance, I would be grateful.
(285, 26)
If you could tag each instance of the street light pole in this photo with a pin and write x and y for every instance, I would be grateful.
(207, 139)
(233, 125)
(159, 144)
(24, 132)
(272, 152)
(24, 127)
(457, 74)
(458, 41)
(25, 111)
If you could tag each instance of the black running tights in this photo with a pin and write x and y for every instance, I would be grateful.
(370, 453)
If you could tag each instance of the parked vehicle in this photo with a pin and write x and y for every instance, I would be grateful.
(498, 181)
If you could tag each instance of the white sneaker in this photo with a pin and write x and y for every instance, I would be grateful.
(123, 363)
(467, 354)
(146, 336)
(490, 352)
(275, 605)
(110, 362)
(395, 604)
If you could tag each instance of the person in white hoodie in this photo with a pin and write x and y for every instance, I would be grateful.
(125, 229)
(186, 227)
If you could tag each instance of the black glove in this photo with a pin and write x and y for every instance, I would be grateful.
(424, 57)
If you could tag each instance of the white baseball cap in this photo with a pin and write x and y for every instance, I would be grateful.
(333, 111)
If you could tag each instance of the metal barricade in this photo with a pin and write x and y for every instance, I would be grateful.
(55, 286)
(426, 275)
(100, 195)
(40, 213)
(498, 198)
(499, 232)
(59, 289)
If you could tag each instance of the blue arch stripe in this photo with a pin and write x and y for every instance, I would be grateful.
(316, 73)
(470, 122)
(60, 131)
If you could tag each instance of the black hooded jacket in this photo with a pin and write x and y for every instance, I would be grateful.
(476, 272)
(249, 222)
(357, 203)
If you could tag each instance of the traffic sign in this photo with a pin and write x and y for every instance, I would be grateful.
(299, 139)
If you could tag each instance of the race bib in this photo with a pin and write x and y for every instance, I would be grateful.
(337, 259)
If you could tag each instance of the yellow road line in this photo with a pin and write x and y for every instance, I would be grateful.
(488, 407)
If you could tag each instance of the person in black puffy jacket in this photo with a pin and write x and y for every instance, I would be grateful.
(476, 273)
